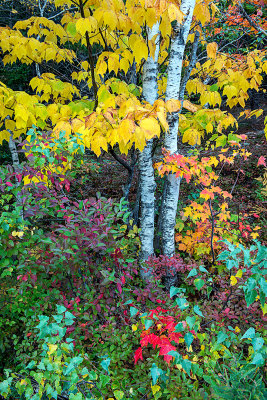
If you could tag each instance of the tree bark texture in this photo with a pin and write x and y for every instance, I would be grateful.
(147, 181)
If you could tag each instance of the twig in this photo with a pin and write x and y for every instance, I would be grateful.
(250, 20)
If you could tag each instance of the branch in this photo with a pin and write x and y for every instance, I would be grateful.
(61, 12)
(250, 20)
(119, 159)
(191, 65)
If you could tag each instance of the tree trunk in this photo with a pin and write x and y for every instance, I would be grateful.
(147, 181)
(170, 200)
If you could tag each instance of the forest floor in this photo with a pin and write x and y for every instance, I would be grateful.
(107, 176)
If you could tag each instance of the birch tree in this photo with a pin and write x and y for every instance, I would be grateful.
(171, 193)
(147, 180)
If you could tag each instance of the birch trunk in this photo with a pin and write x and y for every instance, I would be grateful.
(170, 200)
(147, 181)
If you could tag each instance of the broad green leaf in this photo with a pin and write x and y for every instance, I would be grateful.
(173, 291)
(133, 311)
(188, 338)
(191, 321)
(249, 334)
(222, 336)
(148, 323)
(257, 343)
(105, 364)
(199, 283)
(155, 373)
(198, 311)
(118, 394)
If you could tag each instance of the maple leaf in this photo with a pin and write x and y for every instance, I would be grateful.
(261, 161)
(138, 355)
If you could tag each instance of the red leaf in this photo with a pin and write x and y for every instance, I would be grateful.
(9, 184)
(138, 355)
(150, 339)
(261, 161)
(119, 287)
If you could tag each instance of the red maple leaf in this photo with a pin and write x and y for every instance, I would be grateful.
(138, 355)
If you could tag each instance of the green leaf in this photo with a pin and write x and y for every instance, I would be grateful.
(4, 386)
(182, 303)
(133, 311)
(148, 323)
(203, 269)
(118, 394)
(191, 321)
(61, 309)
(104, 380)
(198, 311)
(222, 336)
(188, 338)
(250, 297)
(71, 28)
(199, 283)
(258, 359)
(155, 373)
(179, 327)
(186, 364)
(249, 334)
(173, 291)
(214, 88)
(221, 141)
(105, 364)
(193, 272)
(31, 364)
(76, 396)
(257, 343)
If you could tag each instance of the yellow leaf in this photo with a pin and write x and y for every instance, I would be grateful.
(212, 49)
(264, 309)
(52, 348)
(155, 388)
(134, 328)
(173, 105)
(239, 273)
(233, 280)
(151, 127)
(19, 234)
(175, 14)
(23, 382)
(126, 129)
(189, 106)
(237, 330)
(140, 50)
(209, 127)
(192, 136)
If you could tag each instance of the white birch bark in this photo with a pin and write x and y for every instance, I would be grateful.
(14, 152)
(41, 10)
(147, 180)
(170, 200)
(16, 166)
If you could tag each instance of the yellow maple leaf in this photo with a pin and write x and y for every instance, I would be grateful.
(212, 49)
(192, 136)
